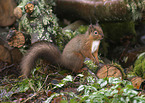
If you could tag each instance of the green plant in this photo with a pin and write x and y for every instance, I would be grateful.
(139, 66)
(36, 84)
(107, 90)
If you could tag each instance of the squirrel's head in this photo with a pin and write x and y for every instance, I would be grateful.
(96, 32)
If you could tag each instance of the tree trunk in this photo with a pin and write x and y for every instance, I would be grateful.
(102, 10)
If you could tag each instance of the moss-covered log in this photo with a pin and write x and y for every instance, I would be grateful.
(102, 10)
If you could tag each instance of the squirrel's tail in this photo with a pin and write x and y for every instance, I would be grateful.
(40, 50)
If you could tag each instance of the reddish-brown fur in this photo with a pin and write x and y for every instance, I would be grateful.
(73, 54)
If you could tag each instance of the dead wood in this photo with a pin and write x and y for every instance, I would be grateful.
(7, 17)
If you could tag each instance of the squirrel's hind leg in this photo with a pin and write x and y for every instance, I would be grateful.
(74, 63)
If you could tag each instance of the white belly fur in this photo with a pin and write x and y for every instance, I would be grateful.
(95, 45)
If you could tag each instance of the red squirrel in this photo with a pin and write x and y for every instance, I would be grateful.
(73, 56)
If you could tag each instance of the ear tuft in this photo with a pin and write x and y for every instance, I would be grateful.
(90, 29)
(97, 24)
(90, 26)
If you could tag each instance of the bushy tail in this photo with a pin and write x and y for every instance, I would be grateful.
(43, 50)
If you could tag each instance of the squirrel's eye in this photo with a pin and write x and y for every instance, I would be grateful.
(95, 32)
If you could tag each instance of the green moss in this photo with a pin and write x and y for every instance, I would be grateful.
(82, 29)
(91, 65)
(114, 31)
(42, 23)
(135, 7)
(139, 66)
(120, 68)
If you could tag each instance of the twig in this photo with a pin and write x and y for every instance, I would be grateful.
(43, 83)
(37, 91)
(6, 67)
(10, 82)
(30, 97)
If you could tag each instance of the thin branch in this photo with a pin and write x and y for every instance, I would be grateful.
(6, 67)
(35, 94)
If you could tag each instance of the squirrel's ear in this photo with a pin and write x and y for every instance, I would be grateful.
(97, 24)
(90, 26)
(90, 29)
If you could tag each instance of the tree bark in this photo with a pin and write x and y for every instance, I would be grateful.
(7, 17)
(102, 10)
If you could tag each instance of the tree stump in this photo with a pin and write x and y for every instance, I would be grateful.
(5, 54)
(7, 17)
(9, 54)
(137, 81)
(110, 71)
